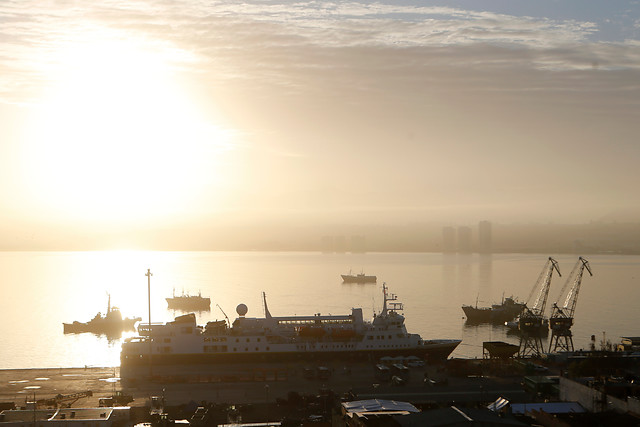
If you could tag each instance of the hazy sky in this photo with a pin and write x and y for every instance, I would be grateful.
(119, 114)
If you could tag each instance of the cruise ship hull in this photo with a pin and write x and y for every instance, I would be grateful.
(436, 350)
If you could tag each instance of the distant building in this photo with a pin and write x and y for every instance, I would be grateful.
(485, 244)
(358, 244)
(339, 244)
(448, 239)
(332, 244)
(327, 244)
(464, 239)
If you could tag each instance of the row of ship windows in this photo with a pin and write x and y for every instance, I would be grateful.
(210, 349)
(216, 339)
(381, 337)
(224, 339)
(302, 347)
(223, 349)
(387, 346)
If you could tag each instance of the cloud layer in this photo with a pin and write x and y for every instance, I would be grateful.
(356, 108)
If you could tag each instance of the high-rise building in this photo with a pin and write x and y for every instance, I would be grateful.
(464, 239)
(358, 244)
(339, 244)
(448, 239)
(485, 244)
(332, 244)
(327, 244)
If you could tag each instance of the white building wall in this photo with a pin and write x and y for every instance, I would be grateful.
(593, 400)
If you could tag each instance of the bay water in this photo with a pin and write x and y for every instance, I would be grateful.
(43, 290)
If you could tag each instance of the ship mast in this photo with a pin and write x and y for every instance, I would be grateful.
(267, 315)
(384, 294)
(393, 306)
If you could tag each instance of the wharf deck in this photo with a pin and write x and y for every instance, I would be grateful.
(233, 384)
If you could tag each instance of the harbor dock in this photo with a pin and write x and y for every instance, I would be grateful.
(234, 384)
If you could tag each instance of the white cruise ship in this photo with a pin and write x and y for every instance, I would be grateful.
(341, 337)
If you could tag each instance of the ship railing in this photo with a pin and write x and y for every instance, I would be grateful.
(146, 329)
(314, 320)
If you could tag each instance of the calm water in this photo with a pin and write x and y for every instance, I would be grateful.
(41, 290)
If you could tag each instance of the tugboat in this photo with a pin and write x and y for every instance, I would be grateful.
(111, 323)
(186, 302)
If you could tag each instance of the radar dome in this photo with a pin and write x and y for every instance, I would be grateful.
(241, 309)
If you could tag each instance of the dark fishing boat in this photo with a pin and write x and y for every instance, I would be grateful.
(111, 323)
(508, 310)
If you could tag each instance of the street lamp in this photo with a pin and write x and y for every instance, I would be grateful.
(266, 389)
(149, 274)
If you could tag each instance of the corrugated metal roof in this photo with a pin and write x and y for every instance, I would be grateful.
(378, 405)
(499, 404)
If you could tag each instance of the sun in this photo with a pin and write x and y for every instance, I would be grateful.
(115, 138)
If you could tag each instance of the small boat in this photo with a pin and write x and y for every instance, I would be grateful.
(188, 302)
(508, 310)
(358, 278)
(109, 324)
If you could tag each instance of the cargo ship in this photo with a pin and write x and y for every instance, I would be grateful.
(271, 338)
(186, 302)
(507, 310)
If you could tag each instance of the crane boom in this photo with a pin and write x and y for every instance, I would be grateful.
(561, 319)
(531, 322)
(575, 279)
(543, 284)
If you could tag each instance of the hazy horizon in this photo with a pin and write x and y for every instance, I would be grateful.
(184, 117)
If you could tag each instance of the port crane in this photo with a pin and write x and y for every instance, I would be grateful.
(532, 322)
(561, 318)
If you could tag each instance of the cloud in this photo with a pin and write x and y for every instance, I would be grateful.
(32, 31)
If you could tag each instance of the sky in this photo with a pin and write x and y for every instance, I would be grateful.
(167, 115)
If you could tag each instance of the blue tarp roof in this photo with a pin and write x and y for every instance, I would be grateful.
(548, 407)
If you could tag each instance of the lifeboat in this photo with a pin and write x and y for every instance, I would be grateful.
(342, 333)
(311, 331)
